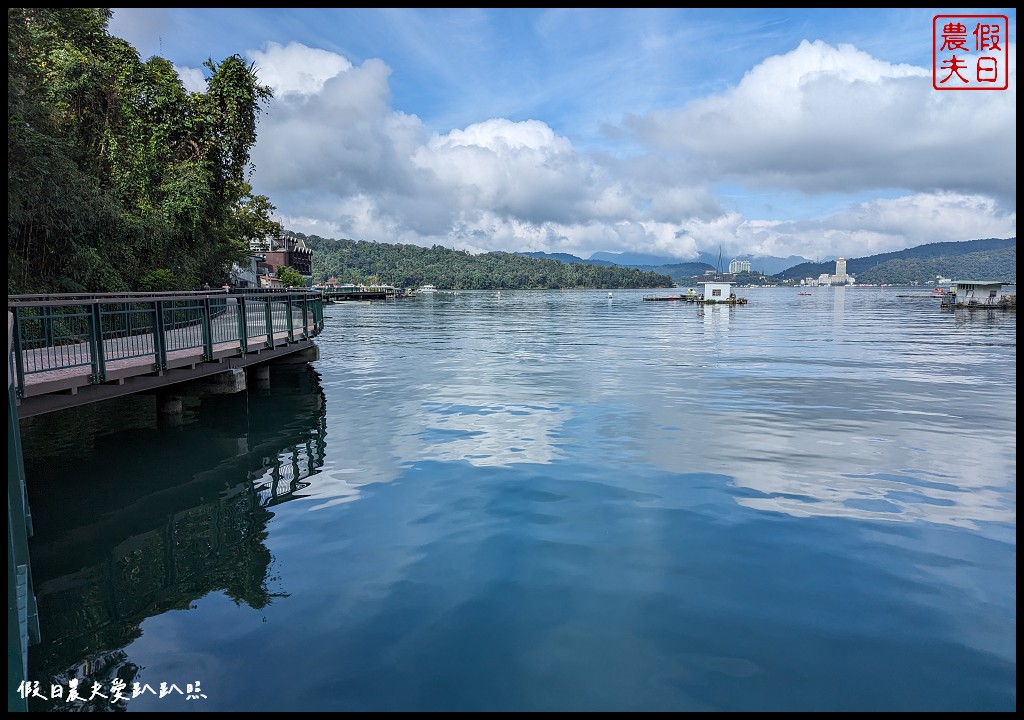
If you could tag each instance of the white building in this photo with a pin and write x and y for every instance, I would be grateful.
(738, 266)
(972, 293)
(717, 291)
(840, 278)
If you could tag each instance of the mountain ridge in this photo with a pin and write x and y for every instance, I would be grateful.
(413, 265)
(929, 258)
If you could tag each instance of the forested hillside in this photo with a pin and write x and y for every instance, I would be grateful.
(411, 266)
(988, 259)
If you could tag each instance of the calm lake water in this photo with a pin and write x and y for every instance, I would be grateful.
(553, 501)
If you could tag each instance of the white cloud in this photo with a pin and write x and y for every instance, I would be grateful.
(834, 119)
(884, 225)
(338, 160)
(194, 79)
(295, 68)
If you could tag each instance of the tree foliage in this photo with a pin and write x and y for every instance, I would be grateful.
(412, 266)
(115, 170)
(985, 265)
(985, 259)
(290, 277)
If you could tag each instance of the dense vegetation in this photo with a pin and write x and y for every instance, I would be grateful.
(117, 177)
(411, 266)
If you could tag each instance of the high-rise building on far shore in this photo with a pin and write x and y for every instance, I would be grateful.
(840, 278)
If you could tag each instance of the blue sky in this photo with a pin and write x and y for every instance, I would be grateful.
(672, 131)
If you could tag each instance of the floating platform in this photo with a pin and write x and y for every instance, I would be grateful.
(361, 292)
(696, 299)
(1008, 302)
(978, 295)
(651, 298)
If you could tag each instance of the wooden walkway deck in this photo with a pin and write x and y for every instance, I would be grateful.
(56, 376)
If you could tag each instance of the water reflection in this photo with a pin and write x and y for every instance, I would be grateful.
(838, 308)
(716, 317)
(570, 503)
(152, 518)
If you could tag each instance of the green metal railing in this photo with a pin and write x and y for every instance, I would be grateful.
(59, 332)
(22, 612)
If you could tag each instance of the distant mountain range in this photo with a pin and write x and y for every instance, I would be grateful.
(983, 259)
(674, 266)
(413, 266)
(708, 261)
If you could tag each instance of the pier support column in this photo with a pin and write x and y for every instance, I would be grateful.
(306, 355)
(225, 383)
(261, 377)
(168, 410)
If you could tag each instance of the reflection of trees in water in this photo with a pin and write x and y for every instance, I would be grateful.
(104, 668)
(216, 546)
(168, 541)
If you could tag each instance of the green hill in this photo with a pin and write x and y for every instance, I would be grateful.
(410, 266)
(413, 265)
(988, 259)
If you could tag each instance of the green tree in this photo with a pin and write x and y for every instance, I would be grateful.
(159, 280)
(290, 277)
(413, 265)
(114, 169)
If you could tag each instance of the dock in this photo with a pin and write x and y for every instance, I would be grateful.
(716, 292)
(696, 299)
(348, 293)
(978, 295)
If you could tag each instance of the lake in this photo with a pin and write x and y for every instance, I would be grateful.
(551, 501)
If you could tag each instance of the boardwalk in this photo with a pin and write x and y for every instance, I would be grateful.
(70, 350)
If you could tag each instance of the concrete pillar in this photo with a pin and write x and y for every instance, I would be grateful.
(225, 383)
(261, 376)
(309, 354)
(168, 410)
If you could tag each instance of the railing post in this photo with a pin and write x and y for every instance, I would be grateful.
(99, 364)
(291, 323)
(243, 325)
(306, 299)
(207, 321)
(47, 314)
(19, 358)
(159, 341)
(268, 318)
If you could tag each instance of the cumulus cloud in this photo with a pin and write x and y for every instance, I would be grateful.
(194, 79)
(883, 225)
(338, 160)
(834, 119)
(297, 69)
